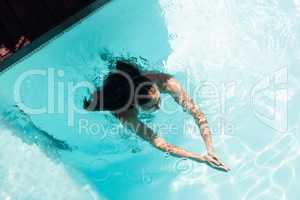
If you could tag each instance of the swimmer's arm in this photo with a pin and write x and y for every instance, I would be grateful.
(168, 83)
(147, 134)
(179, 94)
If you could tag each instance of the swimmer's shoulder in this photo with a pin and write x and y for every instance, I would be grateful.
(160, 79)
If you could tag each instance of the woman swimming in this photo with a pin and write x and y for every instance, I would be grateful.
(127, 89)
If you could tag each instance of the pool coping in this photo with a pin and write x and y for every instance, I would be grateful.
(51, 35)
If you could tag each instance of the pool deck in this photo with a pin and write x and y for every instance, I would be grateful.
(53, 33)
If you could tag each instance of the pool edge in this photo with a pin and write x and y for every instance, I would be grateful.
(51, 35)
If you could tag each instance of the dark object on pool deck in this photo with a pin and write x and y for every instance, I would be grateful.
(6, 52)
(24, 21)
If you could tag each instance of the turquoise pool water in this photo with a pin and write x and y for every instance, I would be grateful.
(238, 60)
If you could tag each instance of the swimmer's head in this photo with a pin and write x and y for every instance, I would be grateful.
(125, 89)
(147, 95)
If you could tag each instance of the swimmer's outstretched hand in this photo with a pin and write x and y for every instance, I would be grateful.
(215, 162)
(212, 160)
